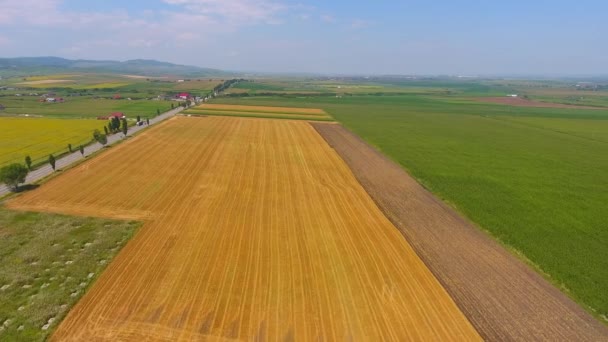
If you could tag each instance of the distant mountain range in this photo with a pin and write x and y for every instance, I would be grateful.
(143, 67)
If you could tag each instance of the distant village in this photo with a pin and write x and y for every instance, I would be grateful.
(53, 97)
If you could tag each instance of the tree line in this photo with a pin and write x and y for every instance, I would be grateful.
(227, 84)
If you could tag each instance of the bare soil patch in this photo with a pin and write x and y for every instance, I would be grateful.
(521, 102)
(503, 297)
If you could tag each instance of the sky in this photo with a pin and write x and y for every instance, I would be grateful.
(456, 37)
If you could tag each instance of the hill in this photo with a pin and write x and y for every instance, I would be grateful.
(49, 65)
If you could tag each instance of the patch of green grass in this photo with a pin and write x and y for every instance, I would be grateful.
(582, 99)
(258, 85)
(104, 85)
(46, 263)
(592, 129)
(81, 107)
(533, 177)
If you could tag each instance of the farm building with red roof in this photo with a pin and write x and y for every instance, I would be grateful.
(183, 96)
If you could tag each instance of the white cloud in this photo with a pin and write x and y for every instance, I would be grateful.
(223, 13)
(234, 11)
(46, 13)
(16, 11)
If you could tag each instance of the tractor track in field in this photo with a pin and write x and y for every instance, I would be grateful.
(503, 297)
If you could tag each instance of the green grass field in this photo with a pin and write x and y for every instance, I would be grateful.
(47, 262)
(127, 84)
(533, 177)
(39, 137)
(81, 107)
(592, 129)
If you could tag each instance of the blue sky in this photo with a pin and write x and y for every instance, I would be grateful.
(363, 37)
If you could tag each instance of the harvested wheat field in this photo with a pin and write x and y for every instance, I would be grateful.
(503, 297)
(255, 230)
(263, 109)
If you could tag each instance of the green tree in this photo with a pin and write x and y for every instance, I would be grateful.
(70, 148)
(105, 129)
(125, 126)
(138, 118)
(82, 150)
(103, 139)
(28, 162)
(115, 124)
(100, 138)
(13, 175)
(157, 111)
(52, 161)
(172, 106)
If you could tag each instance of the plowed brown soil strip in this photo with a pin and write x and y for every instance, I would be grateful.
(256, 230)
(504, 299)
(263, 109)
(521, 102)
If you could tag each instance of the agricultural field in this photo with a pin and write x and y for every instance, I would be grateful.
(532, 177)
(324, 87)
(71, 81)
(523, 102)
(274, 86)
(80, 107)
(127, 84)
(91, 95)
(476, 271)
(292, 113)
(39, 137)
(47, 262)
(254, 229)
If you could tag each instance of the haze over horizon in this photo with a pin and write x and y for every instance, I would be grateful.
(415, 37)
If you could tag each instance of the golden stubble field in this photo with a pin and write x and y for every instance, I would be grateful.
(255, 229)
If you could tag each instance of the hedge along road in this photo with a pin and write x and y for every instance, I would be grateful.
(74, 157)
